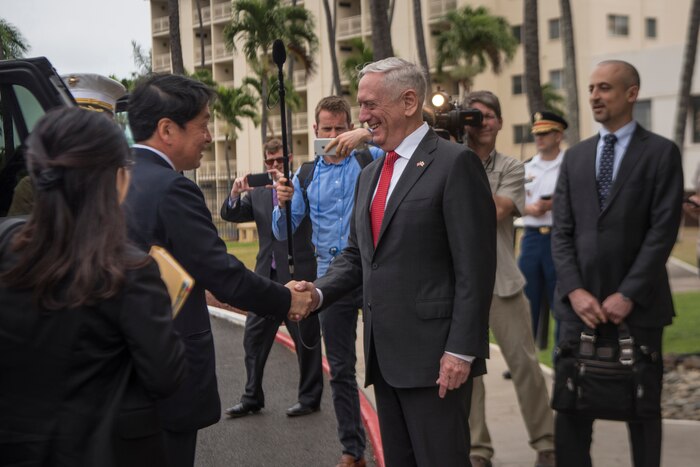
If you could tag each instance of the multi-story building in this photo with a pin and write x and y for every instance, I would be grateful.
(648, 33)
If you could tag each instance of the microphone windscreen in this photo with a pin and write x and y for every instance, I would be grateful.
(279, 54)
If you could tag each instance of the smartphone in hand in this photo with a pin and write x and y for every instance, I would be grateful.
(546, 197)
(320, 147)
(261, 179)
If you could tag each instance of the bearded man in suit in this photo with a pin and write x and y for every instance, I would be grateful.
(423, 246)
(617, 209)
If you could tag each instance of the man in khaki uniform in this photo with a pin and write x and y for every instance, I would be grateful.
(509, 317)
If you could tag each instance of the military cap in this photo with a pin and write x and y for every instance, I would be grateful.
(94, 92)
(544, 122)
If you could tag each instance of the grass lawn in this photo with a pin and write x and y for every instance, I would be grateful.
(244, 251)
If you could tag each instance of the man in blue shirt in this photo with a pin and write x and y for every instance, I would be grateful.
(329, 199)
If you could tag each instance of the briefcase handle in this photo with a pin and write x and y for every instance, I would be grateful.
(625, 339)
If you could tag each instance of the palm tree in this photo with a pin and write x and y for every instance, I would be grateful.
(331, 24)
(531, 47)
(12, 43)
(271, 99)
(552, 99)
(360, 56)
(231, 105)
(175, 43)
(420, 40)
(381, 29)
(255, 24)
(473, 38)
(570, 79)
(691, 47)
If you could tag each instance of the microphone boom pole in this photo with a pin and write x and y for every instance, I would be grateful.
(279, 56)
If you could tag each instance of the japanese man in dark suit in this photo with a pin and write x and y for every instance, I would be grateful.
(169, 118)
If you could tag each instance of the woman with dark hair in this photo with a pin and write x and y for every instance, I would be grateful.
(86, 336)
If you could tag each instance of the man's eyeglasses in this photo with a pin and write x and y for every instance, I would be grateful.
(271, 162)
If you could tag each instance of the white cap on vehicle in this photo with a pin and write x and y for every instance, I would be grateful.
(94, 92)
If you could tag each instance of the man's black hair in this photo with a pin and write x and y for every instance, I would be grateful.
(175, 97)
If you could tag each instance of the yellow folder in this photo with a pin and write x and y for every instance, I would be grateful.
(177, 280)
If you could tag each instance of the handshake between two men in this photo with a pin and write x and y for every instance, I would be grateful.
(305, 299)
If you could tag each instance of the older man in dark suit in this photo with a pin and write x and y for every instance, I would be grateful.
(423, 245)
(246, 204)
(617, 209)
(169, 117)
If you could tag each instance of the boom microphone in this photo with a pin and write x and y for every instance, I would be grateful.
(279, 54)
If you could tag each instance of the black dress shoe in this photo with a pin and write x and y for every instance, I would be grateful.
(242, 409)
(298, 409)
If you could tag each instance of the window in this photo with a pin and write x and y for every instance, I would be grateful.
(554, 32)
(642, 113)
(618, 25)
(556, 79)
(517, 32)
(521, 134)
(650, 28)
(518, 86)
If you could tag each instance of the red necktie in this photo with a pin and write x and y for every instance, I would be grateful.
(379, 201)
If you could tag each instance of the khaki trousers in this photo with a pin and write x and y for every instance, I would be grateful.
(510, 322)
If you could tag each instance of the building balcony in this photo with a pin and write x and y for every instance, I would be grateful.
(161, 62)
(161, 25)
(220, 52)
(206, 16)
(299, 123)
(198, 54)
(222, 12)
(351, 26)
(438, 8)
(216, 170)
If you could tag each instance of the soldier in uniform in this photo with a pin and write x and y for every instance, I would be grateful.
(541, 174)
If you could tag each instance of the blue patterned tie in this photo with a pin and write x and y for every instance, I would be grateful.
(605, 170)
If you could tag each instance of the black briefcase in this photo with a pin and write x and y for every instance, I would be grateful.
(607, 378)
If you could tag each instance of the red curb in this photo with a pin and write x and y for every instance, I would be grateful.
(369, 415)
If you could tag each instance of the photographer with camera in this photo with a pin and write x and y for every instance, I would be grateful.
(271, 262)
(509, 315)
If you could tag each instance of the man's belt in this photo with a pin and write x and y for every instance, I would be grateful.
(542, 230)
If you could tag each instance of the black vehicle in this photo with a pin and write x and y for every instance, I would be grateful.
(28, 89)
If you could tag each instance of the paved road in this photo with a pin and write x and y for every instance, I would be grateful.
(269, 438)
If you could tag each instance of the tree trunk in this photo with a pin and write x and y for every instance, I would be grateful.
(263, 121)
(228, 164)
(176, 62)
(201, 32)
(691, 47)
(331, 22)
(420, 41)
(531, 44)
(381, 30)
(573, 134)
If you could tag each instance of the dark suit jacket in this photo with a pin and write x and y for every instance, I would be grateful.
(165, 208)
(64, 375)
(623, 248)
(428, 283)
(257, 206)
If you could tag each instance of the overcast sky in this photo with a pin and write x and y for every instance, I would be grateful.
(82, 35)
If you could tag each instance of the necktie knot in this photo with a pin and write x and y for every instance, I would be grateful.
(391, 158)
(610, 139)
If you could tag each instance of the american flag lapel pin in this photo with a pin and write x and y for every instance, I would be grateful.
(420, 164)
